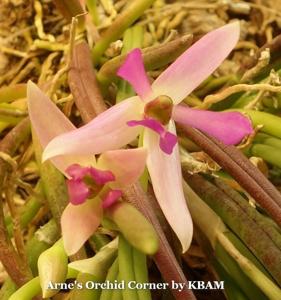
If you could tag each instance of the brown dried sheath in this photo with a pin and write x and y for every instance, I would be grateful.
(246, 174)
(83, 84)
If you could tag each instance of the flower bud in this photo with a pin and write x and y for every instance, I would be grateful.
(52, 268)
(134, 226)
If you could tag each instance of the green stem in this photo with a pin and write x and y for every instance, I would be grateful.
(267, 286)
(92, 7)
(32, 288)
(84, 293)
(29, 211)
(232, 290)
(117, 294)
(126, 269)
(231, 266)
(270, 154)
(271, 123)
(217, 83)
(141, 273)
(97, 241)
(112, 274)
(263, 138)
(120, 24)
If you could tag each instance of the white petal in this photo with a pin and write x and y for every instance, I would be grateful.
(166, 177)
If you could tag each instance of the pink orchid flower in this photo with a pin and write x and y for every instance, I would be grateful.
(153, 112)
(92, 185)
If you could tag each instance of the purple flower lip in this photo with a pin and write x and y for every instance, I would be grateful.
(167, 139)
(78, 190)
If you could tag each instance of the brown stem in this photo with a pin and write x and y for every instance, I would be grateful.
(164, 258)
(244, 172)
(8, 256)
(83, 83)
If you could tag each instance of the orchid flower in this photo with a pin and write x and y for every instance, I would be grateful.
(92, 186)
(153, 112)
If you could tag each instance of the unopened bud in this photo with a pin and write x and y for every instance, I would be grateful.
(134, 226)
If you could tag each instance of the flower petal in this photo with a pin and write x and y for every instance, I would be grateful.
(78, 223)
(127, 165)
(165, 173)
(228, 127)
(196, 63)
(167, 140)
(48, 122)
(78, 191)
(111, 197)
(108, 131)
(133, 71)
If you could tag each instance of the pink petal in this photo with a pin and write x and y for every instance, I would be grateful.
(166, 177)
(167, 140)
(48, 122)
(228, 127)
(196, 63)
(133, 71)
(78, 223)
(111, 197)
(78, 191)
(127, 165)
(108, 131)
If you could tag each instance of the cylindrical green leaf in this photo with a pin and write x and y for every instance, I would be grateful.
(81, 291)
(126, 268)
